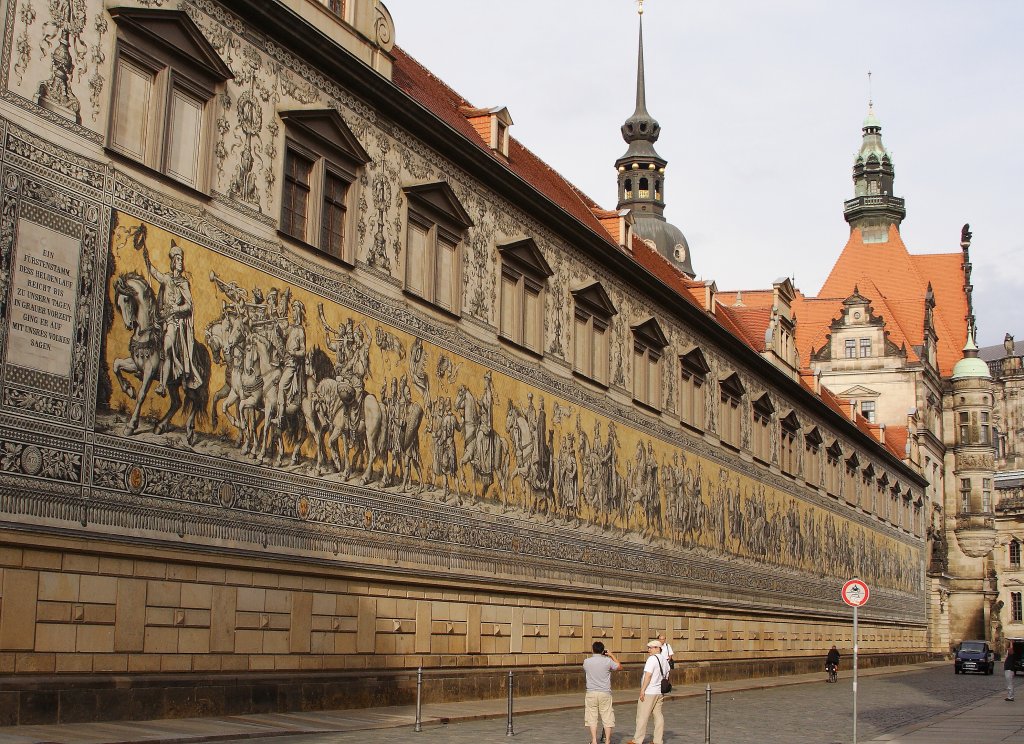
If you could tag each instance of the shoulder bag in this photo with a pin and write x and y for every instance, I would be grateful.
(666, 686)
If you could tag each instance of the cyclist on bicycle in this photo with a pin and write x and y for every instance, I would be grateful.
(832, 661)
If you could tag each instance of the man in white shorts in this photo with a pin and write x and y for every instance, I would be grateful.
(598, 703)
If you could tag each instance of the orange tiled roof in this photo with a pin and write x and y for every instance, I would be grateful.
(886, 272)
(430, 91)
(750, 322)
(896, 440)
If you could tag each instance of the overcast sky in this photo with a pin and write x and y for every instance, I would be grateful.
(761, 104)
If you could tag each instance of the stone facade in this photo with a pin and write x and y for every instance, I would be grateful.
(228, 450)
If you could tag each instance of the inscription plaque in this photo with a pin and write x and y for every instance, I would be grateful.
(41, 321)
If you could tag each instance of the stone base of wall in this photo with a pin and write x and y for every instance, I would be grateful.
(87, 698)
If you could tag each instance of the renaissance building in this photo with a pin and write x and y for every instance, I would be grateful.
(312, 374)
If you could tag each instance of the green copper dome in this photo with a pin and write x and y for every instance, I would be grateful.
(970, 365)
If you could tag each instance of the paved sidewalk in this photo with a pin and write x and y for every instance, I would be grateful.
(973, 724)
(992, 721)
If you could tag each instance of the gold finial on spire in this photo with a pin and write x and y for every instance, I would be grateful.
(870, 97)
(640, 7)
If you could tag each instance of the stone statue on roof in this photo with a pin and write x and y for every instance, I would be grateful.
(1008, 344)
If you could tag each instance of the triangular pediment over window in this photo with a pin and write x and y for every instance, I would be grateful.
(859, 391)
(731, 385)
(853, 461)
(173, 32)
(789, 421)
(440, 198)
(328, 130)
(527, 256)
(869, 470)
(835, 450)
(694, 362)
(763, 406)
(813, 436)
(649, 331)
(595, 298)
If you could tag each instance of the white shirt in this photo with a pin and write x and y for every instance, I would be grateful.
(666, 652)
(654, 666)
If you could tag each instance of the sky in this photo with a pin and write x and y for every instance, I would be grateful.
(761, 104)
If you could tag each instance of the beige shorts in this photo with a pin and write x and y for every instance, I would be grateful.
(598, 705)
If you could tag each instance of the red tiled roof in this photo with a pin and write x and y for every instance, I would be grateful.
(896, 440)
(423, 86)
(751, 323)
(887, 273)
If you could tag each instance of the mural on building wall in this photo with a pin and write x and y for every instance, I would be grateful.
(211, 356)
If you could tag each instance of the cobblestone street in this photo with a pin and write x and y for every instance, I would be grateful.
(802, 714)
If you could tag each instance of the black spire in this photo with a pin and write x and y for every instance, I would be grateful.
(641, 172)
(874, 207)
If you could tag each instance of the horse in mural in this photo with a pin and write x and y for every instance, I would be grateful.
(259, 382)
(354, 418)
(485, 452)
(226, 339)
(137, 304)
(531, 470)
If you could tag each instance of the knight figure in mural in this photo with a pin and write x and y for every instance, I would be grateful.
(163, 348)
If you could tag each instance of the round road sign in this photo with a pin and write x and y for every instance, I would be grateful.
(855, 593)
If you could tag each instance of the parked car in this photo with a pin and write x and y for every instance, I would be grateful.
(1018, 652)
(974, 656)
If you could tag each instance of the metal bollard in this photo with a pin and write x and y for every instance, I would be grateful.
(509, 731)
(707, 714)
(419, 700)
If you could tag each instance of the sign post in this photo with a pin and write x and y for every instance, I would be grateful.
(855, 593)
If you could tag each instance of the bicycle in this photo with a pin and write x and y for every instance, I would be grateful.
(833, 672)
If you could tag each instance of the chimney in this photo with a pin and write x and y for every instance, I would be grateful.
(881, 433)
(710, 296)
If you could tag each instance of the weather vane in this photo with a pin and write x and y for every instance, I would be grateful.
(870, 97)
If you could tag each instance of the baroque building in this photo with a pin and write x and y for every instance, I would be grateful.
(890, 335)
(312, 374)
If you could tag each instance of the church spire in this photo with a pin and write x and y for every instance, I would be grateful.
(873, 208)
(641, 174)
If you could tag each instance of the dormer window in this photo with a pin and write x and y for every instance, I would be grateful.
(435, 226)
(524, 274)
(166, 75)
(492, 125)
(649, 344)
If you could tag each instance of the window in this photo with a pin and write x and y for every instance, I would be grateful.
(322, 159)
(649, 343)
(985, 438)
(524, 274)
(833, 474)
(851, 348)
(852, 481)
(789, 432)
(335, 6)
(965, 427)
(165, 77)
(730, 410)
(1015, 607)
(865, 347)
(593, 314)
(986, 494)
(435, 224)
(868, 501)
(693, 390)
(965, 495)
(1015, 553)
(762, 429)
(867, 410)
(812, 450)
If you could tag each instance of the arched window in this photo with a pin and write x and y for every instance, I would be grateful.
(645, 189)
(628, 188)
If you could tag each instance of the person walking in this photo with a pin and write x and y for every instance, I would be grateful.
(1009, 669)
(667, 662)
(649, 704)
(597, 705)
